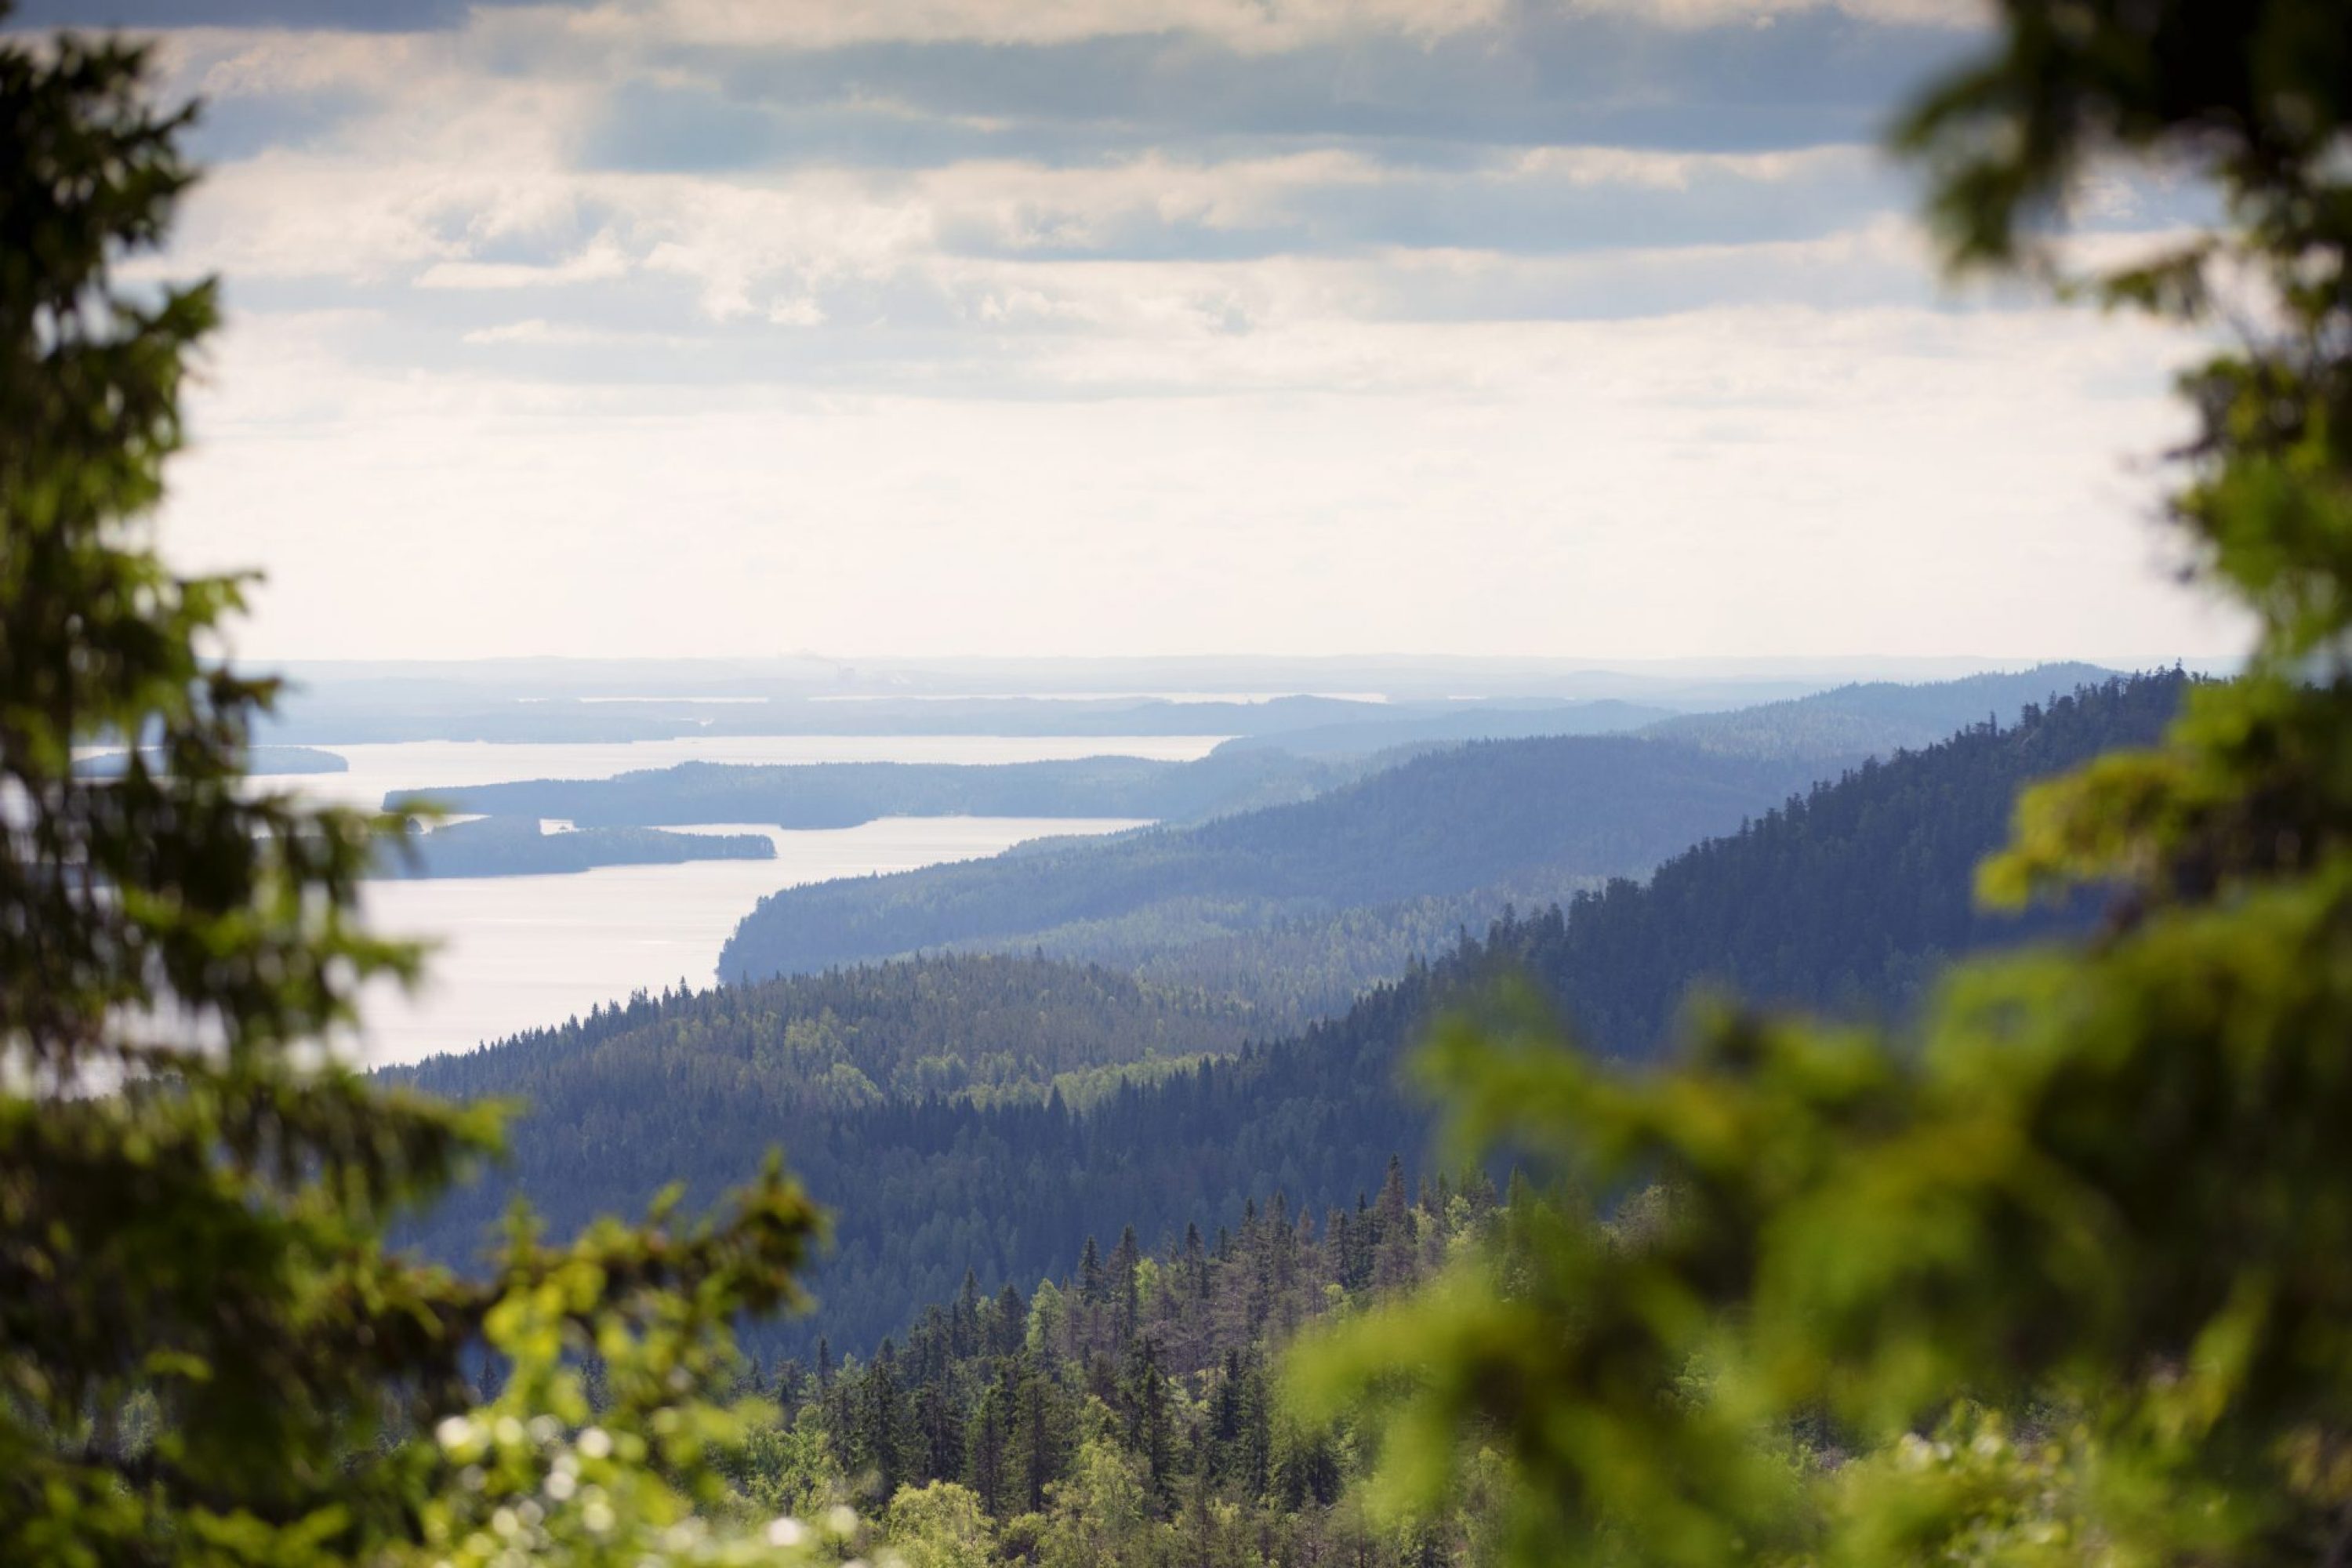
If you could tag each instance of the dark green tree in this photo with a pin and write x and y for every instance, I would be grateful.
(207, 1353)
(2066, 1275)
(1150, 1428)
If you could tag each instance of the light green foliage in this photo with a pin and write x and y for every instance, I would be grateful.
(206, 1353)
(1100, 1515)
(941, 1525)
(2105, 1190)
(787, 1468)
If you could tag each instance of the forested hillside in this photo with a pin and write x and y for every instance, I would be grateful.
(1841, 898)
(843, 795)
(1875, 719)
(1558, 809)
(1249, 908)
(1126, 1412)
(1417, 726)
(981, 1028)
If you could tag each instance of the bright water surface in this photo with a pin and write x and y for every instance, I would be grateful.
(522, 951)
(518, 952)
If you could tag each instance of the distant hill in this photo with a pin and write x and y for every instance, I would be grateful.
(1268, 907)
(844, 794)
(1847, 898)
(1559, 810)
(374, 711)
(1875, 718)
(1482, 722)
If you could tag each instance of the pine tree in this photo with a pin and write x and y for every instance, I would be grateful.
(1125, 1259)
(210, 1348)
(1393, 1237)
(1149, 1430)
(1092, 1287)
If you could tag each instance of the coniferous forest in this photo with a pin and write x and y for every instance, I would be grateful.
(1012, 1106)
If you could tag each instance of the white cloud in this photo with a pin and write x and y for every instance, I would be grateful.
(1255, 26)
(537, 332)
(1650, 169)
(1231, 388)
(599, 262)
(1956, 14)
(1766, 479)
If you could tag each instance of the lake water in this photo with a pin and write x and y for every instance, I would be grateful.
(521, 952)
(517, 952)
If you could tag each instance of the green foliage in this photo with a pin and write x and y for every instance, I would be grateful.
(940, 1525)
(2059, 1274)
(207, 1355)
(1126, 1415)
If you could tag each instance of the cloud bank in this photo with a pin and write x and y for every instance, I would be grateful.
(725, 326)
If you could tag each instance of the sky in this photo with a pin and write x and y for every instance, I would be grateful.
(728, 328)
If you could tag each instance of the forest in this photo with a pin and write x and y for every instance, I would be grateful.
(1127, 1411)
(844, 794)
(1841, 899)
(1287, 907)
(1446, 824)
(1413, 725)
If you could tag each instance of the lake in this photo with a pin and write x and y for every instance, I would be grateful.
(517, 952)
(521, 952)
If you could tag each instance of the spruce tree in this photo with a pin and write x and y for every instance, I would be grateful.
(208, 1352)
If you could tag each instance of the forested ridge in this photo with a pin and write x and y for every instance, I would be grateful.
(982, 1028)
(1301, 916)
(844, 794)
(1840, 897)
(1416, 726)
(1874, 718)
(1442, 825)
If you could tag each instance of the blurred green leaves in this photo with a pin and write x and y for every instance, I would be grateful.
(2063, 1274)
(207, 1353)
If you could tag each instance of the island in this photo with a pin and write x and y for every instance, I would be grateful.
(519, 847)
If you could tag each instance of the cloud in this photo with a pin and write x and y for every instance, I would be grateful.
(951, 322)
(1249, 25)
(1726, 481)
(1959, 15)
(539, 333)
(599, 262)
